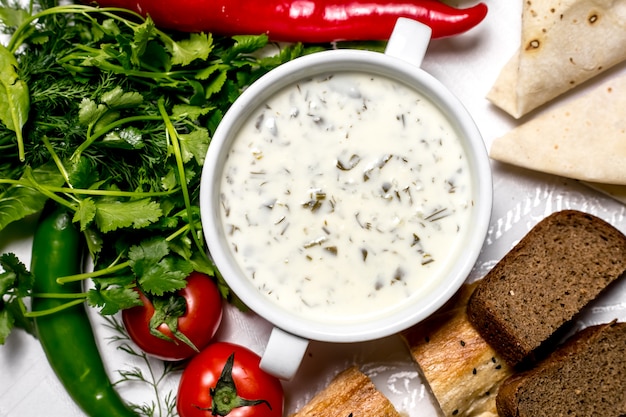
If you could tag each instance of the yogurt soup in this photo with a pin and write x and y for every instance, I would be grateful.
(346, 195)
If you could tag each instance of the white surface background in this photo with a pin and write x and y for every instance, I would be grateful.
(468, 65)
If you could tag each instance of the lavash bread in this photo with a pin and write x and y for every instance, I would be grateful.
(462, 370)
(581, 139)
(584, 377)
(617, 192)
(350, 393)
(540, 285)
(563, 44)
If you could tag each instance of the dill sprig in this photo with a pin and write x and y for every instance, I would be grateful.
(151, 373)
(111, 117)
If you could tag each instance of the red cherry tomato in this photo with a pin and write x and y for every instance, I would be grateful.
(208, 383)
(200, 319)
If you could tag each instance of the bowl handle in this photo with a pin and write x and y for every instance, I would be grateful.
(283, 354)
(409, 41)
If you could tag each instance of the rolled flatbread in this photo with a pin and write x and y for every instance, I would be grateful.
(563, 44)
(583, 139)
(615, 191)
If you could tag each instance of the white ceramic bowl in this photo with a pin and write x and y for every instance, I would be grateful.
(400, 62)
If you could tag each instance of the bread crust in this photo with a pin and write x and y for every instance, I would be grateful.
(541, 284)
(462, 370)
(350, 393)
(576, 354)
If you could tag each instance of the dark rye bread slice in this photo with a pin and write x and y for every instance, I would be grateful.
(541, 284)
(584, 377)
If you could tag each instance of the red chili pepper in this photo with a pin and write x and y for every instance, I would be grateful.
(304, 20)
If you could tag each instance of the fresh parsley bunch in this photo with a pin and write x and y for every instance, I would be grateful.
(102, 112)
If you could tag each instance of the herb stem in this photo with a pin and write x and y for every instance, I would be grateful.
(173, 135)
(45, 191)
(22, 32)
(114, 268)
(72, 296)
(56, 160)
(12, 182)
(62, 307)
(93, 274)
(97, 134)
(89, 59)
(110, 193)
(177, 233)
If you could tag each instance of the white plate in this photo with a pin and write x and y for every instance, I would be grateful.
(468, 65)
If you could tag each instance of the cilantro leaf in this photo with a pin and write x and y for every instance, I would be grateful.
(109, 26)
(142, 35)
(7, 279)
(201, 264)
(6, 323)
(197, 46)
(113, 293)
(15, 282)
(194, 145)
(189, 112)
(217, 83)
(85, 213)
(99, 91)
(149, 252)
(166, 276)
(156, 271)
(90, 112)
(112, 215)
(11, 17)
(94, 242)
(127, 138)
(80, 173)
(113, 299)
(20, 201)
(117, 98)
(246, 44)
(205, 73)
(16, 277)
(12, 316)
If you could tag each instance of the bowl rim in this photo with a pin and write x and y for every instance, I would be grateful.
(320, 63)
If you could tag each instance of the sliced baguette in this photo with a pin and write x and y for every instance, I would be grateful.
(561, 265)
(350, 393)
(461, 368)
(585, 377)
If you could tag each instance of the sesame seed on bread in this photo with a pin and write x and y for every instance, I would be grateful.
(461, 369)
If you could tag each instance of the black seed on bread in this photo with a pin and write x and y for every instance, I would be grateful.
(558, 268)
(584, 377)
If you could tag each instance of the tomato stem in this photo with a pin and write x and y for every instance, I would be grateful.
(224, 395)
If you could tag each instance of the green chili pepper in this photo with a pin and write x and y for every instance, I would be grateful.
(66, 335)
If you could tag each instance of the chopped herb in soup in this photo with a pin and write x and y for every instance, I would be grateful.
(345, 194)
